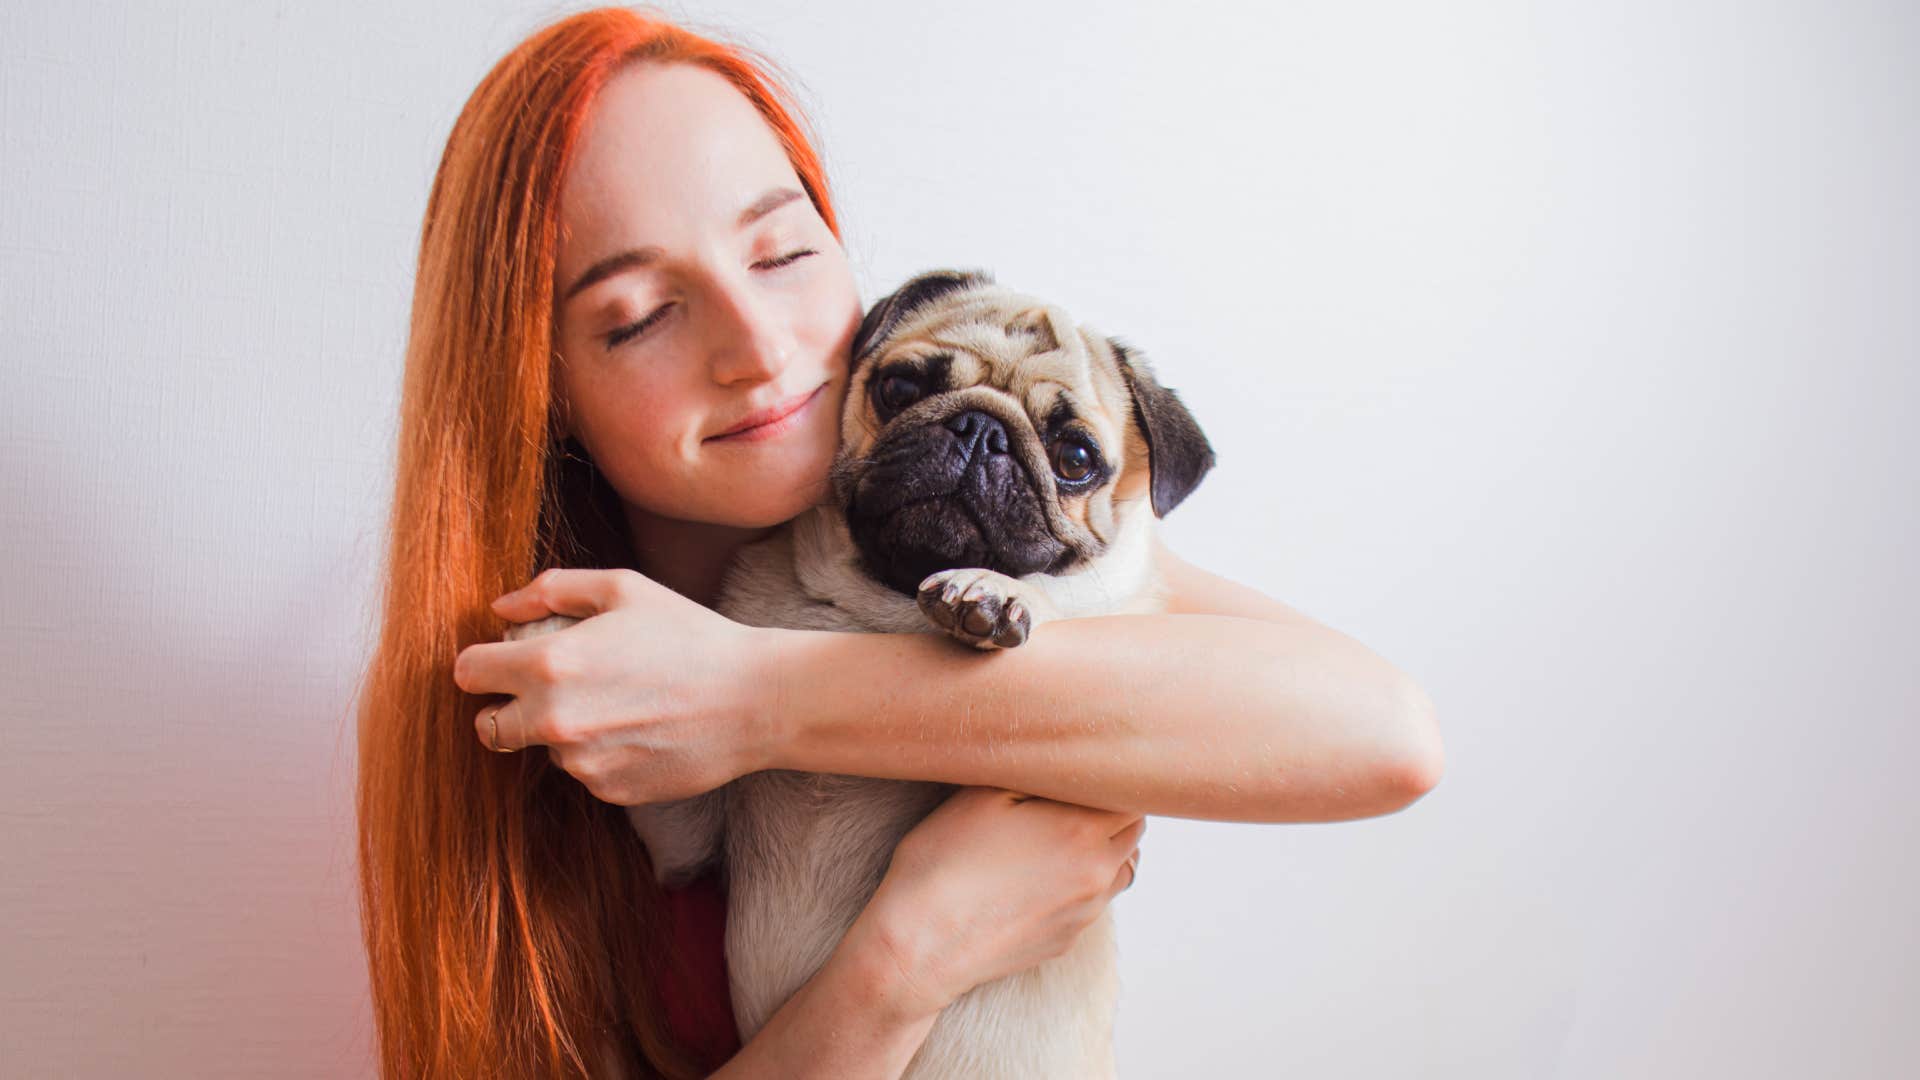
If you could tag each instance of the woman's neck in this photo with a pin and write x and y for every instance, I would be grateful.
(689, 557)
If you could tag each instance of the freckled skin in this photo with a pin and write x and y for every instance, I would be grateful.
(670, 156)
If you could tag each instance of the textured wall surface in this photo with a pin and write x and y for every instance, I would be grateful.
(1566, 355)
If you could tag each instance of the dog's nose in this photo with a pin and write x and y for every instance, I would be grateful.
(978, 430)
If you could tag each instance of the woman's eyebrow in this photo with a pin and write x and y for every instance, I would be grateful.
(627, 260)
(610, 266)
(767, 204)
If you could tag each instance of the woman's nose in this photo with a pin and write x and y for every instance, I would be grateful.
(753, 342)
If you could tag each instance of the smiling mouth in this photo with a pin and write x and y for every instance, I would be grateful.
(787, 410)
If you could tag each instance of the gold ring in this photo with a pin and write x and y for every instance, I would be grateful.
(493, 720)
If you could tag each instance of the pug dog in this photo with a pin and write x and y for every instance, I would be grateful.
(1000, 467)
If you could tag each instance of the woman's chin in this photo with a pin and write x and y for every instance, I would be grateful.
(780, 499)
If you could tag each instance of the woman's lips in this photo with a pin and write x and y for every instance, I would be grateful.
(779, 425)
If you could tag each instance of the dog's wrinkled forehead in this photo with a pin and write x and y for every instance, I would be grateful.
(950, 343)
(967, 330)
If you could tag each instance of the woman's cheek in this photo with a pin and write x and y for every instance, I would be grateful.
(655, 434)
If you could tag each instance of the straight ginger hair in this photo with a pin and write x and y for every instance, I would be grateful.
(510, 918)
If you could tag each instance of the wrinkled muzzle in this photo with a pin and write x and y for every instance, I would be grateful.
(946, 494)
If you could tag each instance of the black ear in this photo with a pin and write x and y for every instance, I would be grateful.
(903, 301)
(1178, 454)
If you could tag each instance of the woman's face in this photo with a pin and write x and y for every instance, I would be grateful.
(695, 289)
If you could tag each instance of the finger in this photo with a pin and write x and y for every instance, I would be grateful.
(581, 593)
(516, 733)
(487, 668)
(1112, 820)
(988, 793)
(1123, 877)
(499, 726)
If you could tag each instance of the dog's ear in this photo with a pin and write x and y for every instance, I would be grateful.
(1178, 454)
(918, 292)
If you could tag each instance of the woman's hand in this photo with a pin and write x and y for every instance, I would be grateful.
(991, 883)
(650, 698)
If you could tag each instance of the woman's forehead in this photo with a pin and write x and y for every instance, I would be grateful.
(668, 152)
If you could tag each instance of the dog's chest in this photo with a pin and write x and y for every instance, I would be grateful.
(804, 854)
(824, 834)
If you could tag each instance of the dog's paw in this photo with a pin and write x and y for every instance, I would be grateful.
(987, 610)
(521, 630)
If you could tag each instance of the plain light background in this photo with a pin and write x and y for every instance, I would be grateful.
(1564, 354)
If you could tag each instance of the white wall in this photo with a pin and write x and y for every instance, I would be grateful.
(1565, 354)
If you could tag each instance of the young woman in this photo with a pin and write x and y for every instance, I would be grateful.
(630, 338)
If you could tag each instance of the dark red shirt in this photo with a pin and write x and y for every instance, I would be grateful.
(693, 987)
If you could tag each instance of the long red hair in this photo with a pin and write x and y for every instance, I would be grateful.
(511, 921)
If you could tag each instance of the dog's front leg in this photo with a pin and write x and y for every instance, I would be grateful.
(683, 836)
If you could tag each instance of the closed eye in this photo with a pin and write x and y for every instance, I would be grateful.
(788, 259)
(633, 330)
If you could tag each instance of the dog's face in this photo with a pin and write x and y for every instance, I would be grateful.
(984, 429)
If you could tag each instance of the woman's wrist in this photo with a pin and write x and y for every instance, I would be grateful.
(801, 675)
(889, 966)
(793, 673)
(767, 686)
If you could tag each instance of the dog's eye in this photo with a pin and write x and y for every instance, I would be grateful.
(1072, 460)
(897, 392)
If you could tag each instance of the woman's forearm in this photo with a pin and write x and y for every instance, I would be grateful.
(852, 1020)
(1211, 716)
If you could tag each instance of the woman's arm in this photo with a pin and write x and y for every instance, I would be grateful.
(1231, 707)
(990, 883)
(853, 1019)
